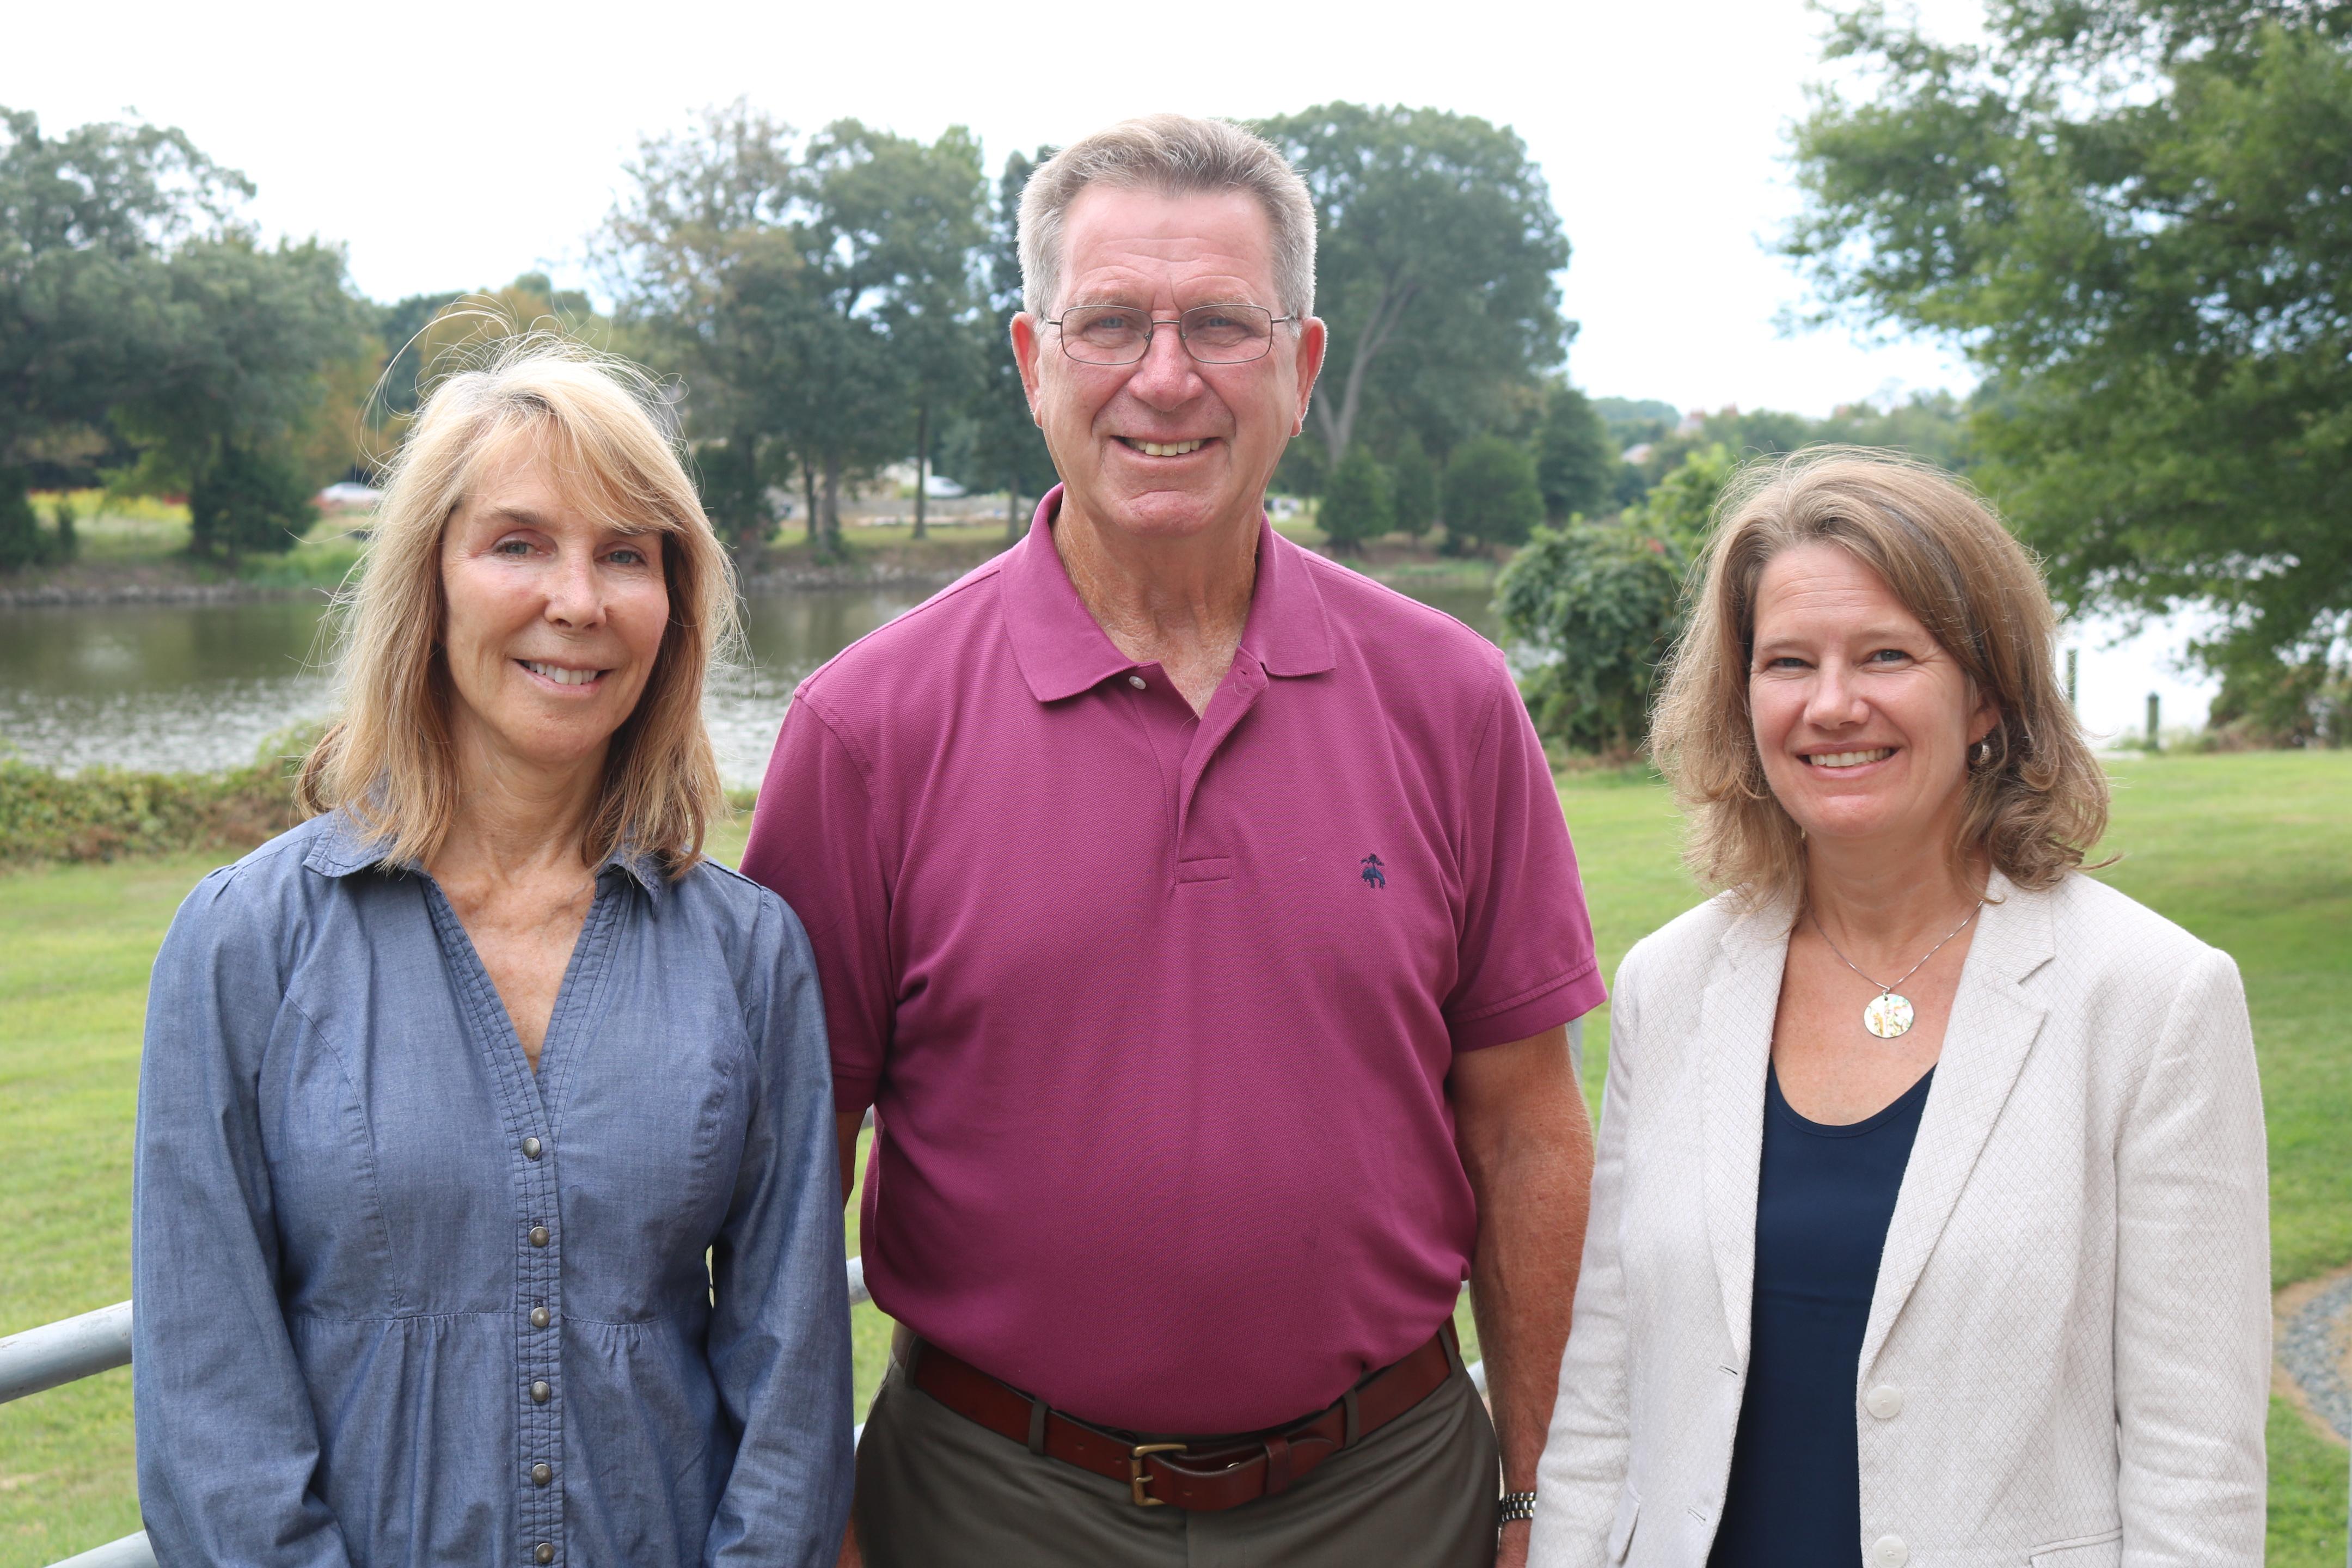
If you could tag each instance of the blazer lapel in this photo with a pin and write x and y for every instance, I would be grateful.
(1735, 1044)
(1993, 1024)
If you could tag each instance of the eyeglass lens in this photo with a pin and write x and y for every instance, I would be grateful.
(1215, 335)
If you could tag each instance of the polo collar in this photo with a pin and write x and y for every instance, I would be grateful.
(1062, 650)
(344, 847)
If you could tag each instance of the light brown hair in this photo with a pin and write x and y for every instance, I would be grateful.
(2036, 802)
(388, 761)
(1176, 155)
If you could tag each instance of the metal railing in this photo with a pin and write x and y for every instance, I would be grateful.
(98, 1342)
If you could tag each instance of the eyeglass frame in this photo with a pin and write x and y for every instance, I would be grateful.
(1153, 323)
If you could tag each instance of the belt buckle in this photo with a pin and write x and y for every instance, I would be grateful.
(1137, 1480)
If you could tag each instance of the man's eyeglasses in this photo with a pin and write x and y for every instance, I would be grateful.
(1211, 334)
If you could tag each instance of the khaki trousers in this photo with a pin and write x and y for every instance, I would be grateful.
(935, 1491)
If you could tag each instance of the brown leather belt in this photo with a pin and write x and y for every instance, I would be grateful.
(1205, 1475)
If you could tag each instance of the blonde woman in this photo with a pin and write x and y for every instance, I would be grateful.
(1929, 1224)
(484, 1201)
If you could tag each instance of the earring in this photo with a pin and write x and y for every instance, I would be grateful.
(1982, 753)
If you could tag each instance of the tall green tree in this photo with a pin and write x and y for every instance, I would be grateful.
(1436, 245)
(1414, 487)
(88, 220)
(1576, 462)
(2134, 216)
(1006, 450)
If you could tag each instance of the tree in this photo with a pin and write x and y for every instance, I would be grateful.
(246, 501)
(86, 220)
(1007, 450)
(1356, 505)
(1576, 463)
(2131, 216)
(1601, 603)
(772, 277)
(1491, 494)
(1436, 245)
(1414, 487)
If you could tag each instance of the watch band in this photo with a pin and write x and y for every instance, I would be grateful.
(1517, 1506)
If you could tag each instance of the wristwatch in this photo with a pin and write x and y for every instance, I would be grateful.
(1517, 1506)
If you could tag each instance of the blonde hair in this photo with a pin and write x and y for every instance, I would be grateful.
(388, 762)
(1176, 155)
(2037, 802)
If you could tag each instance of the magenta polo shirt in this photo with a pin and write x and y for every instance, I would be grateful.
(1156, 1011)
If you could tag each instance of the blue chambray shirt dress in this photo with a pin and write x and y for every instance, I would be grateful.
(401, 1302)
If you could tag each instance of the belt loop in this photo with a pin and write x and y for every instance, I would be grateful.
(1278, 1466)
(1354, 1427)
(1038, 1427)
(1452, 1348)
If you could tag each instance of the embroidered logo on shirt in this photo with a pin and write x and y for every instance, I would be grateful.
(1372, 874)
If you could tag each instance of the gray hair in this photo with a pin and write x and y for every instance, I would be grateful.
(1176, 155)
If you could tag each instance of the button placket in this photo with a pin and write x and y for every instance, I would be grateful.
(538, 1277)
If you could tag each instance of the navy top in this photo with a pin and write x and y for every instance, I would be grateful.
(403, 1301)
(1823, 1198)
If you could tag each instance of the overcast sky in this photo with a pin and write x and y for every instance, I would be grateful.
(454, 146)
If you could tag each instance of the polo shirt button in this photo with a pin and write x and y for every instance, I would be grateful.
(540, 1393)
(544, 1553)
(539, 1235)
(531, 1148)
(1888, 1551)
(1885, 1402)
(540, 1317)
(1138, 682)
(541, 1473)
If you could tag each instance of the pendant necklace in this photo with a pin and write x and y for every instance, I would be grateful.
(1889, 1013)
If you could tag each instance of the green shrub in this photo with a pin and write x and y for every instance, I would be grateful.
(1412, 487)
(1602, 603)
(104, 813)
(1491, 495)
(1356, 505)
(249, 502)
(21, 544)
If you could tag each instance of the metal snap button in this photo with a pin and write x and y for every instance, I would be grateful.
(531, 1148)
(541, 1473)
(540, 1317)
(543, 1553)
(540, 1393)
(539, 1235)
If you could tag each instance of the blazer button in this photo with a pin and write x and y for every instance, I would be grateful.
(1888, 1551)
(540, 1318)
(1885, 1402)
(544, 1553)
(541, 1473)
(539, 1235)
(531, 1148)
(540, 1393)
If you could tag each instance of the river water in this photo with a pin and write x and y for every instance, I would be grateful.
(169, 688)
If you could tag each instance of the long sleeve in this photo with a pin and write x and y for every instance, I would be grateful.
(228, 1449)
(1585, 1456)
(779, 1343)
(2192, 1287)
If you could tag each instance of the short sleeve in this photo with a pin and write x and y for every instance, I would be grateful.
(1526, 961)
(815, 842)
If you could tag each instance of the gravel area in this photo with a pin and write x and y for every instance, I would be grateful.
(2316, 1351)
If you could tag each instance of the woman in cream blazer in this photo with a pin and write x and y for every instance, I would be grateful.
(2062, 1358)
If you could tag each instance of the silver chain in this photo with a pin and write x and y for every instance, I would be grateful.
(1889, 990)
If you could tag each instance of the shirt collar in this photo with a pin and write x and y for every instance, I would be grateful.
(1062, 650)
(344, 847)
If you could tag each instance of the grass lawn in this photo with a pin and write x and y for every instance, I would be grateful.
(2254, 853)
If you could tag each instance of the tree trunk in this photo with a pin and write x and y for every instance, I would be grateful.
(922, 461)
(808, 498)
(831, 550)
(1012, 514)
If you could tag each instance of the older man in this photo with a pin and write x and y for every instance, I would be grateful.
(1199, 919)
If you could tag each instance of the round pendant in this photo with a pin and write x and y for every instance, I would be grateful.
(1887, 1015)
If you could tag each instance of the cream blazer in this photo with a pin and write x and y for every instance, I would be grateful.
(2067, 1362)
